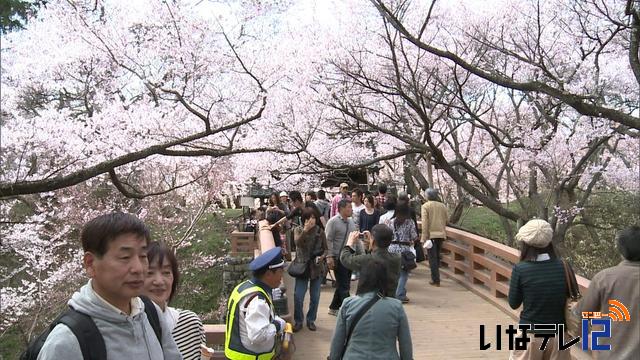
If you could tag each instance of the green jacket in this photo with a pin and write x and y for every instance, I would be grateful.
(382, 332)
(354, 262)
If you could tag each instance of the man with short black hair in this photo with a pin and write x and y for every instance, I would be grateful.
(377, 241)
(338, 229)
(115, 258)
(297, 204)
(357, 205)
(621, 283)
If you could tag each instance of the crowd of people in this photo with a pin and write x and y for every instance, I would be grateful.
(123, 311)
(355, 235)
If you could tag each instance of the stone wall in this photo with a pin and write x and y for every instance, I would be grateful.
(234, 271)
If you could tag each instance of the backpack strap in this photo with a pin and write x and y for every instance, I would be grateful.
(89, 337)
(357, 318)
(152, 316)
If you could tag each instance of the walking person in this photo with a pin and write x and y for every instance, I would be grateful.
(404, 236)
(310, 196)
(372, 325)
(389, 209)
(311, 245)
(538, 283)
(434, 223)
(381, 198)
(342, 195)
(338, 228)
(357, 206)
(324, 207)
(369, 216)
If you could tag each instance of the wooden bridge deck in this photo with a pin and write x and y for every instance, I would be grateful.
(445, 321)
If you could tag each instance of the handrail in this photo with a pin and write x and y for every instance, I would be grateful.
(484, 266)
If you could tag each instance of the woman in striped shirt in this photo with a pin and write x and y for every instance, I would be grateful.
(160, 286)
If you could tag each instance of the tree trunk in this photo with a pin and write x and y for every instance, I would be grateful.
(407, 174)
(508, 229)
(457, 212)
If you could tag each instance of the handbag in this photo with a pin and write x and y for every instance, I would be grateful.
(408, 260)
(298, 269)
(420, 256)
(571, 318)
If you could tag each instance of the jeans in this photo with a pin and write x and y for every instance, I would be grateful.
(343, 285)
(435, 257)
(314, 299)
(401, 290)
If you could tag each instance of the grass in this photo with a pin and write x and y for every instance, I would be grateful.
(201, 284)
(484, 222)
(12, 345)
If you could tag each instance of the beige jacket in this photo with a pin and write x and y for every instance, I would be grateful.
(620, 283)
(434, 220)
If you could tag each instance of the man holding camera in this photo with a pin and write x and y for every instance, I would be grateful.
(377, 243)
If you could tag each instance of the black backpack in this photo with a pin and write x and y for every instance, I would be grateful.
(87, 333)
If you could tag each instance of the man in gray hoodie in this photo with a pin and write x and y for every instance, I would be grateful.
(115, 259)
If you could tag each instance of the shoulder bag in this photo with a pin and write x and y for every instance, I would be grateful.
(298, 268)
(408, 257)
(571, 318)
(356, 318)
(408, 260)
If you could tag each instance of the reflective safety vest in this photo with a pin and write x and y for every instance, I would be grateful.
(233, 348)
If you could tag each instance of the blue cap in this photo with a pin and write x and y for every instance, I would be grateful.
(271, 258)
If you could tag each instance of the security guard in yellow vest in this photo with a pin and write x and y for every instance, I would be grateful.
(252, 326)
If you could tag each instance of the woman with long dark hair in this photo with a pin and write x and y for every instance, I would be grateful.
(404, 236)
(538, 283)
(381, 331)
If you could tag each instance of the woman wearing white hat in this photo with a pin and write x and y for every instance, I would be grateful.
(538, 283)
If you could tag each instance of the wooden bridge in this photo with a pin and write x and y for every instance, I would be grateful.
(445, 321)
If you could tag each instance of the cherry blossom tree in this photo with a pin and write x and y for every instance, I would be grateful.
(534, 106)
(131, 106)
